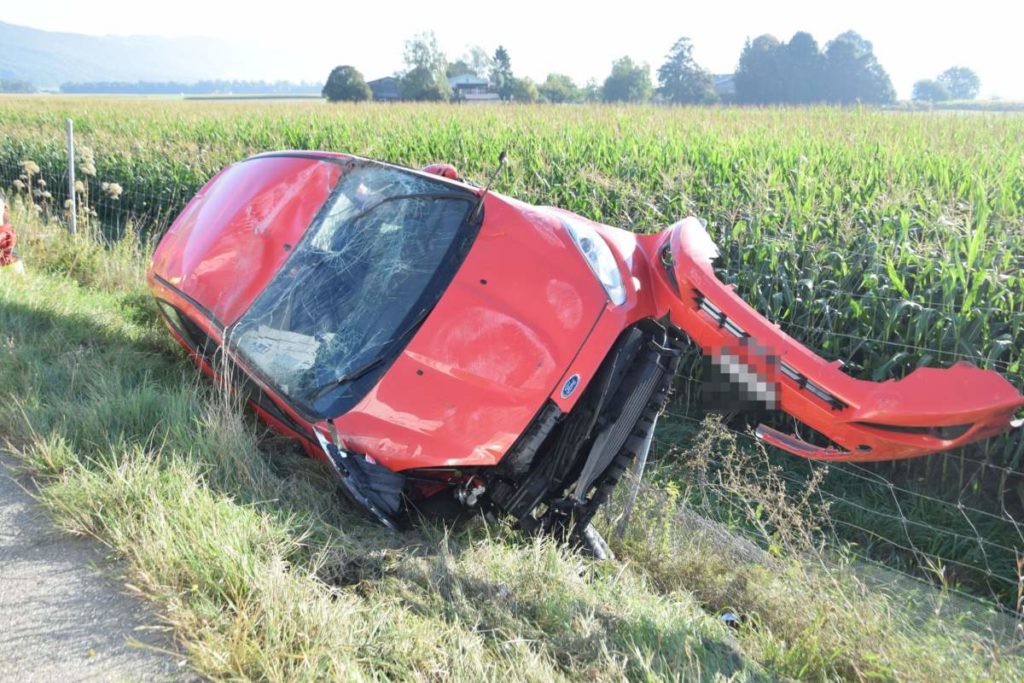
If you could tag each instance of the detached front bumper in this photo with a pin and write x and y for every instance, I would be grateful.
(930, 410)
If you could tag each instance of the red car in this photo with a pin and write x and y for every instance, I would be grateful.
(439, 345)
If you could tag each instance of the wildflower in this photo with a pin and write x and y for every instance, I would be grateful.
(79, 186)
(29, 167)
(113, 190)
(86, 161)
(18, 185)
(41, 182)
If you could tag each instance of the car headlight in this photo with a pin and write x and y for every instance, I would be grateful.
(599, 255)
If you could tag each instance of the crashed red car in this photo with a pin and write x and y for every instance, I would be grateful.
(439, 345)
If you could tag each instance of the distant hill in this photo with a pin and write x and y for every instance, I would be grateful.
(48, 58)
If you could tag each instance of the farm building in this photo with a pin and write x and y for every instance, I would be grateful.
(471, 88)
(385, 89)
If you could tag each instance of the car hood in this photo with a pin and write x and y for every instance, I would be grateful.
(519, 309)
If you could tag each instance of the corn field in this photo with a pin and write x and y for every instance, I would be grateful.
(891, 240)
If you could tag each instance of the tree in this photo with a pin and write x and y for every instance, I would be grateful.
(523, 90)
(478, 60)
(681, 79)
(628, 82)
(758, 78)
(961, 82)
(559, 88)
(346, 84)
(801, 68)
(591, 92)
(501, 73)
(422, 85)
(930, 91)
(853, 74)
(798, 73)
(425, 77)
(459, 68)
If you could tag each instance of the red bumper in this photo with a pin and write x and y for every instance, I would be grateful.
(929, 410)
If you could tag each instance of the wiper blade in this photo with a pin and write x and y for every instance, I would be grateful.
(417, 322)
(426, 196)
(351, 376)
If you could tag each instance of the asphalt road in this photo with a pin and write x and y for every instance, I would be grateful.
(63, 615)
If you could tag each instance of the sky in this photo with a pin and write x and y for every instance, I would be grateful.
(912, 40)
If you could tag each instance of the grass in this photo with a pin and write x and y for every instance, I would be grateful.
(265, 574)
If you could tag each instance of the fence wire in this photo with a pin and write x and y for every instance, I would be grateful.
(987, 566)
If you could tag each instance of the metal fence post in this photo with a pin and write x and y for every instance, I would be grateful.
(73, 222)
(637, 475)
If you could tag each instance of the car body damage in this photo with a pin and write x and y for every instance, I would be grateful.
(443, 348)
(930, 410)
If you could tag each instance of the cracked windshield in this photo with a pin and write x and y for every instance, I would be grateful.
(355, 285)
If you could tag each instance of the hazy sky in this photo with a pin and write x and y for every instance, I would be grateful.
(912, 40)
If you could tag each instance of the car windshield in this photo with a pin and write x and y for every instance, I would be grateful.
(367, 272)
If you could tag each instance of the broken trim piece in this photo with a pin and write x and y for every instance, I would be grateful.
(375, 489)
(927, 411)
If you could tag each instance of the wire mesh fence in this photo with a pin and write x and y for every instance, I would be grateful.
(944, 540)
(953, 519)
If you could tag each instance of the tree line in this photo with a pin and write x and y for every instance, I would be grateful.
(799, 72)
(209, 87)
(955, 83)
(13, 85)
(769, 71)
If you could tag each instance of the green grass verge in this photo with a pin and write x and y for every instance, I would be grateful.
(264, 574)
